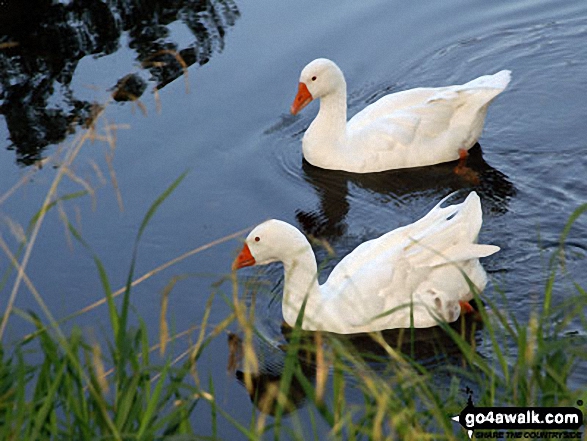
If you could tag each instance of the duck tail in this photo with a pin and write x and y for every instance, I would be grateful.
(498, 81)
(467, 215)
(446, 198)
(471, 211)
(461, 220)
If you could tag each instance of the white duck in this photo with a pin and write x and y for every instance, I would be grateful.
(371, 289)
(412, 128)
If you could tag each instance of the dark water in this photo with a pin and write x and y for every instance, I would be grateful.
(40, 102)
(233, 130)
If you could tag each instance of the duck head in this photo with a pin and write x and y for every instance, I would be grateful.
(271, 241)
(318, 79)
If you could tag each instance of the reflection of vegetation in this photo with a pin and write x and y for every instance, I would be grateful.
(42, 43)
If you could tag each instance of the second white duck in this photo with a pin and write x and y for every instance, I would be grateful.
(411, 128)
(412, 275)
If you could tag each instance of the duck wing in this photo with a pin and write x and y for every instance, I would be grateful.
(414, 243)
(423, 261)
(424, 112)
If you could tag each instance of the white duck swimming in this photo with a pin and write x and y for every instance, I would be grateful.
(412, 128)
(371, 289)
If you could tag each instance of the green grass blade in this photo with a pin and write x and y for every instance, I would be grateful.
(127, 394)
(153, 404)
(51, 204)
(293, 348)
(572, 218)
(155, 205)
(126, 297)
(213, 410)
(114, 320)
(48, 402)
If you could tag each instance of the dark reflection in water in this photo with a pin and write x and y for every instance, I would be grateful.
(42, 42)
(328, 220)
(432, 348)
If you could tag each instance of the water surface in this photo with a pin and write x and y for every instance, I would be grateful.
(232, 129)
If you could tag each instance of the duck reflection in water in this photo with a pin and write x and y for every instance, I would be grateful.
(432, 182)
(433, 348)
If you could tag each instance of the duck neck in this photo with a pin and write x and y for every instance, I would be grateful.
(327, 133)
(300, 282)
(332, 113)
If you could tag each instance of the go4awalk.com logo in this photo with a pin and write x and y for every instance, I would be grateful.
(521, 422)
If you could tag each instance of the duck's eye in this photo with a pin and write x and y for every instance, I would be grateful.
(314, 78)
(257, 239)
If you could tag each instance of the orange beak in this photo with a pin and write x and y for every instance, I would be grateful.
(245, 258)
(302, 99)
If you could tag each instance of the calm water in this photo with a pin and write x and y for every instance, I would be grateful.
(232, 129)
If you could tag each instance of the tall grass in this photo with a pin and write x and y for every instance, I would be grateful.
(374, 386)
(68, 395)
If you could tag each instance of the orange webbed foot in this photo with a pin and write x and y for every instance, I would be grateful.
(466, 172)
(467, 309)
